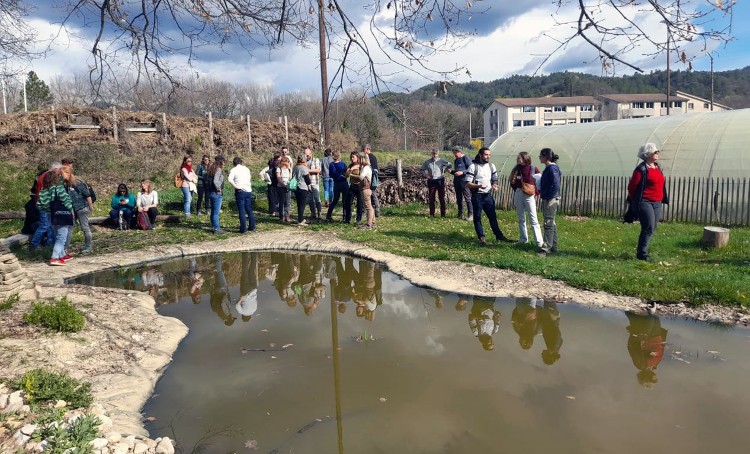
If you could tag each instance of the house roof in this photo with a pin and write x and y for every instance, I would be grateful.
(640, 97)
(547, 101)
(698, 98)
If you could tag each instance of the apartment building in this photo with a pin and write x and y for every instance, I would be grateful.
(506, 114)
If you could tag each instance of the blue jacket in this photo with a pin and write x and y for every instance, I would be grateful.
(337, 171)
(550, 182)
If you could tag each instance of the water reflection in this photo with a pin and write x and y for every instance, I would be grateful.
(388, 354)
(646, 346)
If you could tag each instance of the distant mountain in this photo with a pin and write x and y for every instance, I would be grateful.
(731, 88)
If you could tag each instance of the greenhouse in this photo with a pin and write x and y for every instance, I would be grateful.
(704, 156)
(704, 145)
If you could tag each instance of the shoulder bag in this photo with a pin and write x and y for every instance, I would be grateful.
(61, 215)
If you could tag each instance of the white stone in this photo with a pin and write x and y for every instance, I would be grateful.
(20, 439)
(15, 402)
(130, 440)
(99, 443)
(114, 437)
(61, 404)
(137, 337)
(3, 389)
(165, 446)
(25, 409)
(3, 400)
(120, 448)
(140, 448)
(97, 410)
(28, 429)
(106, 423)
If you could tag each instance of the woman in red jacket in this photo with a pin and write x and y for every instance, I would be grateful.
(648, 191)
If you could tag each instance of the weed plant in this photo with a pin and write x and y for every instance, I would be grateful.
(9, 302)
(60, 316)
(43, 386)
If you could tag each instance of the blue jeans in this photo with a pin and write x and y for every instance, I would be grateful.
(485, 202)
(45, 228)
(187, 199)
(650, 213)
(327, 189)
(245, 207)
(61, 234)
(216, 198)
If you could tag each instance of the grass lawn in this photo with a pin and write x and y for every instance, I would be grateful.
(595, 253)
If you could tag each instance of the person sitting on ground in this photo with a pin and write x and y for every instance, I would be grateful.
(148, 201)
(122, 204)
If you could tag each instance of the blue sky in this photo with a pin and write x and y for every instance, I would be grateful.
(508, 41)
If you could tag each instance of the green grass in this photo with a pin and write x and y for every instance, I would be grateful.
(595, 253)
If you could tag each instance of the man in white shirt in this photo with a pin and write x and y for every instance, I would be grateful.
(480, 179)
(239, 178)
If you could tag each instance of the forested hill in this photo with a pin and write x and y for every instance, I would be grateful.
(731, 88)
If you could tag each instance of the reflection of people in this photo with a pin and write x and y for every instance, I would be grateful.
(463, 300)
(341, 285)
(484, 320)
(646, 346)
(524, 321)
(248, 302)
(286, 275)
(438, 297)
(220, 295)
(364, 290)
(549, 319)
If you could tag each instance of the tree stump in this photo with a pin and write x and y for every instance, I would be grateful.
(717, 237)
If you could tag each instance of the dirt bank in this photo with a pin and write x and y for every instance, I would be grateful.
(126, 345)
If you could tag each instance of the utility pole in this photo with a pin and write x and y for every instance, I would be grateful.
(470, 113)
(25, 102)
(669, 75)
(5, 105)
(712, 81)
(403, 112)
(323, 70)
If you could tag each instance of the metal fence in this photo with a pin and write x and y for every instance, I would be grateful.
(721, 201)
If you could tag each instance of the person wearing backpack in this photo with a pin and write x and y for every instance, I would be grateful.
(216, 192)
(481, 178)
(461, 164)
(189, 179)
(83, 205)
(55, 200)
(523, 185)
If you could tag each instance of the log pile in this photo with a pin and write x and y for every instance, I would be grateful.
(414, 187)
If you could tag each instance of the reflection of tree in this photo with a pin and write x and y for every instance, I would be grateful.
(549, 319)
(524, 322)
(645, 346)
(484, 320)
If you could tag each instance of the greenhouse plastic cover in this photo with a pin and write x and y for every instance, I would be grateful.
(710, 144)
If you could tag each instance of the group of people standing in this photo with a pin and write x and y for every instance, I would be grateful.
(57, 200)
(352, 182)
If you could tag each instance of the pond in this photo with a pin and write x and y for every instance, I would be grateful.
(310, 353)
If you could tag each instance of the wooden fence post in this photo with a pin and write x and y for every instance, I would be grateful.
(211, 131)
(163, 125)
(114, 124)
(286, 130)
(54, 129)
(399, 179)
(249, 136)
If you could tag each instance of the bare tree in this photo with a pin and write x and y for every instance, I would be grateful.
(614, 28)
(16, 37)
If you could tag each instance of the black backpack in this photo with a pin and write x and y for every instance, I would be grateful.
(92, 194)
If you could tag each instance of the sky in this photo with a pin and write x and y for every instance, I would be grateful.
(510, 38)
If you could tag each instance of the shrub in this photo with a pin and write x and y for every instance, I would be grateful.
(9, 302)
(75, 437)
(41, 386)
(60, 316)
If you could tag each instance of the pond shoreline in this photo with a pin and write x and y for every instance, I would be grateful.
(126, 344)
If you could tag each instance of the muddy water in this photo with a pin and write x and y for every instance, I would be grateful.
(317, 354)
